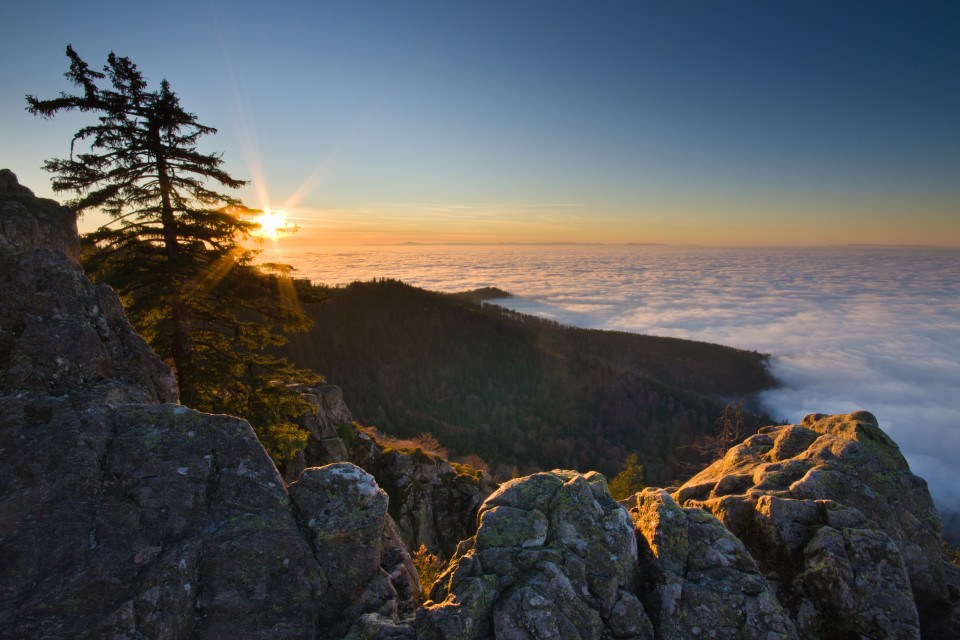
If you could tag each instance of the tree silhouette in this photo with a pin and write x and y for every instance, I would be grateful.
(171, 247)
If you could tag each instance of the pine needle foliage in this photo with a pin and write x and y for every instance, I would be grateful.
(171, 248)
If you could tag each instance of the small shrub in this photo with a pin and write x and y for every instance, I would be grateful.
(429, 567)
(951, 554)
(475, 461)
(629, 481)
(346, 432)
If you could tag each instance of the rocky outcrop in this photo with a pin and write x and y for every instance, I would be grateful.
(356, 545)
(554, 557)
(28, 222)
(59, 334)
(433, 502)
(327, 417)
(127, 515)
(835, 519)
(698, 579)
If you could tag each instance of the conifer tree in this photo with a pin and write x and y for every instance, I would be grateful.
(171, 248)
(629, 481)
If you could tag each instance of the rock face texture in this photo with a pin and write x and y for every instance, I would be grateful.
(554, 557)
(698, 579)
(327, 414)
(28, 222)
(125, 515)
(835, 519)
(432, 502)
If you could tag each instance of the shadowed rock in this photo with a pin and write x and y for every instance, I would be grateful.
(432, 502)
(28, 222)
(125, 515)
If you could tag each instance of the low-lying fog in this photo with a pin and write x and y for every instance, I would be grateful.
(851, 327)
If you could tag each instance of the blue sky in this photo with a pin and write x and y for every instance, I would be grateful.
(679, 122)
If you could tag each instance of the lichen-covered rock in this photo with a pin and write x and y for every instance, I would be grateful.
(347, 513)
(432, 502)
(701, 580)
(125, 515)
(143, 520)
(60, 334)
(832, 514)
(554, 557)
(328, 412)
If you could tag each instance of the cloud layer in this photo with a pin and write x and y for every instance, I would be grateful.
(874, 328)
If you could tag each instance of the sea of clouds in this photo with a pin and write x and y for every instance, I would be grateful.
(875, 328)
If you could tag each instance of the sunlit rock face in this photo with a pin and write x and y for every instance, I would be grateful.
(125, 515)
(698, 578)
(835, 519)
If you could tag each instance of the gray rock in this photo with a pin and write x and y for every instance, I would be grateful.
(702, 581)
(28, 222)
(125, 515)
(60, 334)
(347, 513)
(834, 517)
(326, 415)
(554, 557)
(433, 502)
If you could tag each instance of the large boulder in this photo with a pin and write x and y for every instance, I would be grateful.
(554, 557)
(835, 519)
(699, 580)
(352, 537)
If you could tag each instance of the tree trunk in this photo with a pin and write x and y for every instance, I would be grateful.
(181, 337)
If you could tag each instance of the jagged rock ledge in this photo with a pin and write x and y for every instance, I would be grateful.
(126, 515)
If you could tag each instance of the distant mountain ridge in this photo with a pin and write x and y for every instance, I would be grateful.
(522, 391)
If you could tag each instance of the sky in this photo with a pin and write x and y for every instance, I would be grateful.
(696, 122)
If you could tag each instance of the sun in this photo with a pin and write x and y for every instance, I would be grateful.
(272, 223)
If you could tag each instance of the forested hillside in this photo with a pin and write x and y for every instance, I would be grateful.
(518, 390)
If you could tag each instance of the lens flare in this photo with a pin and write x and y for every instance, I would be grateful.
(273, 224)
